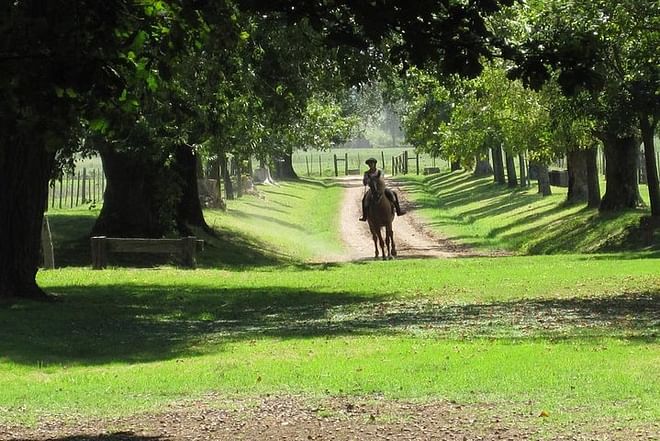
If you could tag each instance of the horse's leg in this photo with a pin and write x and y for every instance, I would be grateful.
(390, 234)
(388, 242)
(375, 238)
(382, 244)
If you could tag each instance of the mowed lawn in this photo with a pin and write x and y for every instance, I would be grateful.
(572, 336)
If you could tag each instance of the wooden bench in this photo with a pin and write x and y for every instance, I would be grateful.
(353, 171)
(431, 170)
(185, 247)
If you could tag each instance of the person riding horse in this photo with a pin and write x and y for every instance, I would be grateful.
(370, 178)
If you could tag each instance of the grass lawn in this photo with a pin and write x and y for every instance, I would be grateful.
(574, 335)
(479, 213)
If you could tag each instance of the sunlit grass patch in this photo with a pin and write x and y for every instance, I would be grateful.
(478, 212)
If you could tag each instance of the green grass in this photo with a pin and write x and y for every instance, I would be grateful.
(573, 334)
(477, 212)
(291, 221)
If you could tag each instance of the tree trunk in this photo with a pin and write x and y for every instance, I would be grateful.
(189, 210)
(593, 184)
(226, 176)
(456, 165)
(543, 178)
(482, 166)
(138, 198)
(648, 130)
(523, 174)
(511, 170)
(578, 189)
(239, 176)
(284, 166)
(621, 188)
(25, 169)
(498, 165)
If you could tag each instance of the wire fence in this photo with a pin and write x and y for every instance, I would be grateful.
(340, 162)
(83, 187)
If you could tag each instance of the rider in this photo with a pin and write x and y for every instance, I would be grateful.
(370, 178)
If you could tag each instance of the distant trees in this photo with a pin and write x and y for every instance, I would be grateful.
(590, 76)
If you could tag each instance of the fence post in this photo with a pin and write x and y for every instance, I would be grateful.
(52, 187)
(78, 189)
(84, 186)
(93, 188)
(99, 252)
(346, 164)
(60, 205)
(382, 159)
(417, 163)
(307, 164)
(320, 167)
(405, 162)
(72, 187)
(335, 158)
(189, 244)
(47, 244)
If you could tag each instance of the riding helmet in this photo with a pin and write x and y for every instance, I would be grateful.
(374, 160)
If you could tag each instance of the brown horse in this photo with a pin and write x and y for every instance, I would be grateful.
(381, 214)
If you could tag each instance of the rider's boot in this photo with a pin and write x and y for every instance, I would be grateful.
(394, 198)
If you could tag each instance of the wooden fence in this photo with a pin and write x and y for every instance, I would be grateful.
(352, 162)
(79, 188)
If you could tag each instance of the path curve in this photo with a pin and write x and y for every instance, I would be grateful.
(412, 239)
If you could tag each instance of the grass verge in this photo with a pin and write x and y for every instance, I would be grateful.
(477, 212)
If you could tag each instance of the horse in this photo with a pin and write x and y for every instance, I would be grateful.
(379, 215)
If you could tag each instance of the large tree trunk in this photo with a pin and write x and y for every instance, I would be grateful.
(578, 189)
(137, 201)
(455, 165)
(543, 178)
(284, 166)
(498, 165)
(482, 166)
(593, 184)
(189, 210)
(648, 130)
(511, 170)
(25, 169)
(621, 189)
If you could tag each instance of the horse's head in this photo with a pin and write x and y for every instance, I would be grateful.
(378, 187)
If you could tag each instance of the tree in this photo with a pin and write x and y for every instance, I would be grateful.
(59, 65)
(64, 66)
(609, 50)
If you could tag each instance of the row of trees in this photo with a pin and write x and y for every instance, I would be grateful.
(587, 75)
(150, 85)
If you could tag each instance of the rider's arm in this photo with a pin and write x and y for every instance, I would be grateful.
(365, 178)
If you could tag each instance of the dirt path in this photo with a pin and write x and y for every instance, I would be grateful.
(345, 418)
(411, 238)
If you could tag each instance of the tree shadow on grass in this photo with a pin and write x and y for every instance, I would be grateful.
(95, 325)
(72, 247)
